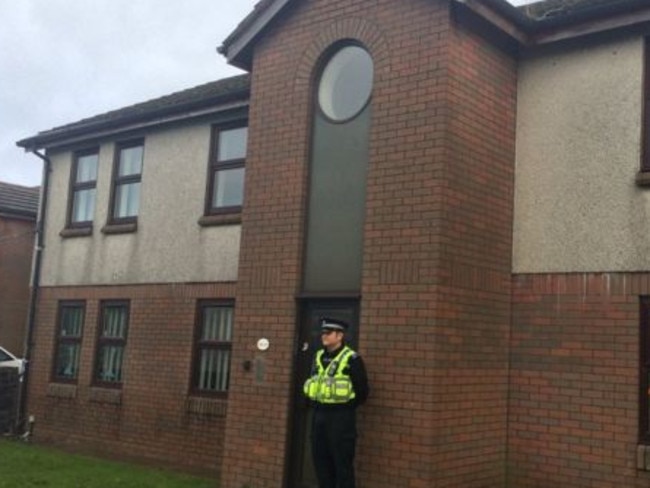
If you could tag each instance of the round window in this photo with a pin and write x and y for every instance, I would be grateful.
(346, 83)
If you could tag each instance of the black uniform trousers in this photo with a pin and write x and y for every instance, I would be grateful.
(333, 442)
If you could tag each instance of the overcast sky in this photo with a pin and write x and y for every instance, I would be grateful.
(64, 60)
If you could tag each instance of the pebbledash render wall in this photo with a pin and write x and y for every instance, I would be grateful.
(169, 245)
(163, 269)
(436, 284)
(481, 377)
(580, 260)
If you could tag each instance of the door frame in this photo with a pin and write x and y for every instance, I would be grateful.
(308, 309)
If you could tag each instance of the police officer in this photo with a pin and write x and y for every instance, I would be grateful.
(337, 386)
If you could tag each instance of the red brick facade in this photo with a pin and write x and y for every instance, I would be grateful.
(153, 417)
(16, 246)
(574, 381)
(479, 379)
(435, 301)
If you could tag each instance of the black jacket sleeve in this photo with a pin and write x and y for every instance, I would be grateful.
(359, 379)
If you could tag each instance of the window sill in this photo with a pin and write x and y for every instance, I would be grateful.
(224, 219)
(206, 407)
(642, 178)
(120, 228)
(76, 231)
(60, 390)
(111, 396)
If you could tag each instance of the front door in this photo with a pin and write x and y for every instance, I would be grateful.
(301, 470)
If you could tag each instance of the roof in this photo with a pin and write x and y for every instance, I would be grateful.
(224, 94)
(532, 24)
(553, 9)
(19, 201)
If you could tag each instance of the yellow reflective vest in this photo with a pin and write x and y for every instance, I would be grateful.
(329, 385)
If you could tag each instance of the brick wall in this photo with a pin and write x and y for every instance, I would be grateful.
(472, 319)
(574, 381)
(16, 246)
(436, 284)
(153, 418)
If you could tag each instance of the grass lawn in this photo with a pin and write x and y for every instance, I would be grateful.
(26, 465)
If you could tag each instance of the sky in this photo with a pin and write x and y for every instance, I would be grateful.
(65, 60)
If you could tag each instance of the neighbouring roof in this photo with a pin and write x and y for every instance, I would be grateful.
(19, 201)
(225, 94)
(532, 21)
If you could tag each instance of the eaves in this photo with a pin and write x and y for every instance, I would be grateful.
(602, 16)
(94, 132)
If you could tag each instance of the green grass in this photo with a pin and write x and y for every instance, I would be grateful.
(27, 465)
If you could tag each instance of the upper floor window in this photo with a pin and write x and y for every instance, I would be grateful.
(212, 348)
(68, 340)
(126, 182)
(226, 172)
(83, 188)
(645, 138)
(111, 342)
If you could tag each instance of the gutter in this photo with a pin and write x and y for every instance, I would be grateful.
(560, 24)
(67, 134)
(33, 299)
(69, 137)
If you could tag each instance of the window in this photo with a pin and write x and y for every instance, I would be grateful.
(126, 182)
(346, 83)
(212, 348)
(644, 373)
(68, 340)
(226, 172)
(111, 342)
(338, 170)
(83, 183)
(645, 139)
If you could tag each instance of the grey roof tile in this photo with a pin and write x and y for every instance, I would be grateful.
(21, 201)
(215, 92)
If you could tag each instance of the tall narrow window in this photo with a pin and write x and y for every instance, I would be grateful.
(111, 342)
(212, 348)
(644, 370)
(126, 182)
(226, 176)
(68, 341)
(337, 171)
(81, 209)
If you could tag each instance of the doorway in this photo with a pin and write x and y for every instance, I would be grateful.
(301, 471)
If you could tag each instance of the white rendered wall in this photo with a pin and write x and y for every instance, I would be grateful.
(577, 207)
(169, 245)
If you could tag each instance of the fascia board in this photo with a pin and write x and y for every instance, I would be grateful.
(234, 49)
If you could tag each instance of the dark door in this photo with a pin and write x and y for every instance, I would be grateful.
(301, 471)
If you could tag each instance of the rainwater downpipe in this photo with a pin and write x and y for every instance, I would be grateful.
(21, 421)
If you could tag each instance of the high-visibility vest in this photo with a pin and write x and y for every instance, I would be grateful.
(330, 385)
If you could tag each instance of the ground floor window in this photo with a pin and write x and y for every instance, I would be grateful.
(111, 342)
(68, 340)
(213, 344)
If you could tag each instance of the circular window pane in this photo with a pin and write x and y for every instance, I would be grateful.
(346, 83)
